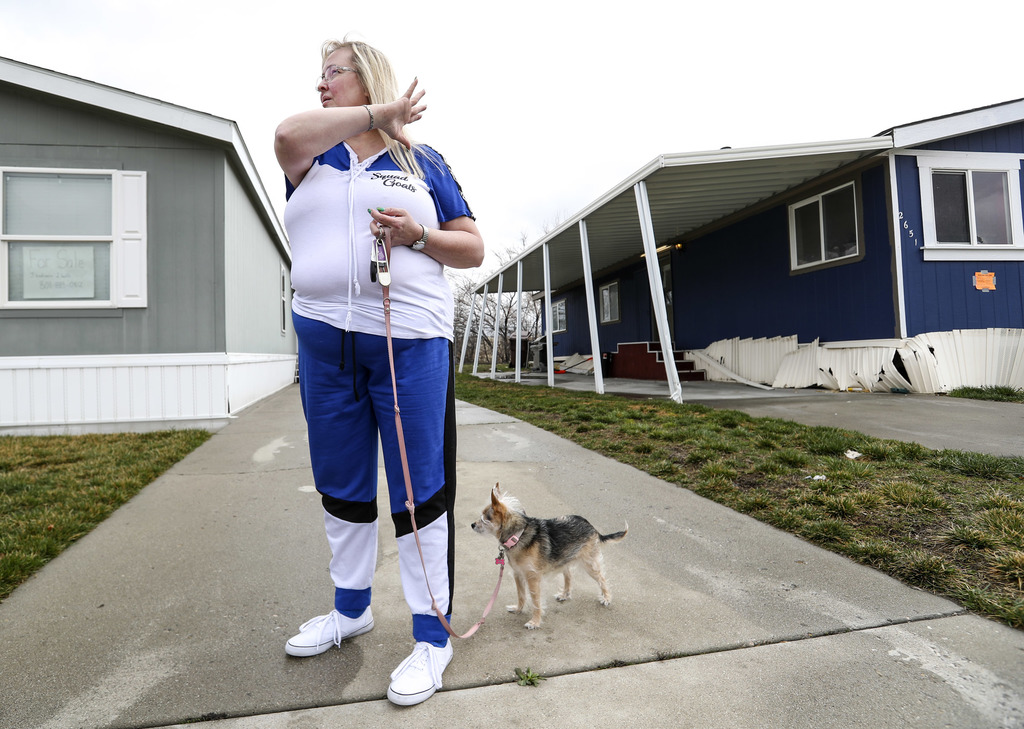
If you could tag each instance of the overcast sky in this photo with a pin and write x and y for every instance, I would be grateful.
(542, 106)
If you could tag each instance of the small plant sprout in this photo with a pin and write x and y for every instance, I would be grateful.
(528, 677)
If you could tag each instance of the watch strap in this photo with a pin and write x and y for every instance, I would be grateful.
(419, 245)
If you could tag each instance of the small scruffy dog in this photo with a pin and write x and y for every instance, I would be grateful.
(537, 546)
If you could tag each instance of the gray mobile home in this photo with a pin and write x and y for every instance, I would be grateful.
(144, 276)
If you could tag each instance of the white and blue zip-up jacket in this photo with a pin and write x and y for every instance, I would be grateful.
(329, 231)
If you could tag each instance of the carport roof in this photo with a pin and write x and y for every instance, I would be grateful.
(687, 192)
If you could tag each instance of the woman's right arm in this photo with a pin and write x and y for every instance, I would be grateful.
(299, 139)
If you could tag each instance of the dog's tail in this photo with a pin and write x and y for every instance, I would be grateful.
(616, 536)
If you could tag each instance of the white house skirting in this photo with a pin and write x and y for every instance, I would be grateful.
(83, 393)
(932, 362)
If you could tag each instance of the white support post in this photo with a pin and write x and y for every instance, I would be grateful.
(480, 331)
(467, 333)
(549, 335)
(643, 207)
(588, 279)
(497, 329)
(897, 239)
(519, 322)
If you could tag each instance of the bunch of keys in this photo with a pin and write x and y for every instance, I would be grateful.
(379, 270)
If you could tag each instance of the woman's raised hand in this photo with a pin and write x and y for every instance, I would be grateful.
(404, 110)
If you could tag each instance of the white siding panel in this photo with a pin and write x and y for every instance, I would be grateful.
(799, 368)
(934, 362)
(185, 392)
(249, 378)
(1016, 365)
(55, 383)
(55, 394)
(758, 360)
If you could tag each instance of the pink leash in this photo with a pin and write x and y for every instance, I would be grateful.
(380, 271)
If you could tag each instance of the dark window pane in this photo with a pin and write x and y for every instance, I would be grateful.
(949, 192)
(808, 234)
(991, 208)
(840, 223)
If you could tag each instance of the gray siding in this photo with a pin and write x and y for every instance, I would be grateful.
(186, 178)
(252, 279)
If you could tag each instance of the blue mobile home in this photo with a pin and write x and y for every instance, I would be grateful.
(894, 261)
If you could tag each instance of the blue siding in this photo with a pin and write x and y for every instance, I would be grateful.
(634, 323)
(737, 283)
(1009, 138)
(940, 295)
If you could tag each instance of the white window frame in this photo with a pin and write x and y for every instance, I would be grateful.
(285, 308)
(558, 317)
(612, 289)
(927, 163)
(128, 258)
(817, 200)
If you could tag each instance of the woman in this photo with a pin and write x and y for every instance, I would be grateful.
(350, 168)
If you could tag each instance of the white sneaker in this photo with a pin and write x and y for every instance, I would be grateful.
(319, 634)
(419, 676)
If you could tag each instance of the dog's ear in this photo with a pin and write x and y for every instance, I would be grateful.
(495, 495)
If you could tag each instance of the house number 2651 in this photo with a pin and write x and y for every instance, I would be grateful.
(906, 227)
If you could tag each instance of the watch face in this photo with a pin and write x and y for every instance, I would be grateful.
(418, 245)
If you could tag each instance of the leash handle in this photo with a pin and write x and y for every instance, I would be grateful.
(381, 253)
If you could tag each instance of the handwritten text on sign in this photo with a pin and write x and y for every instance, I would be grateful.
(59, 272)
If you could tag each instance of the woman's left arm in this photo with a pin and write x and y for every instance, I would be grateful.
(456, 244)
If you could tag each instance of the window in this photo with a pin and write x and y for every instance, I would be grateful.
(285, 309)
(823, 228)
(970, 205)
(558, 320)
(72, 239)
(609, 303)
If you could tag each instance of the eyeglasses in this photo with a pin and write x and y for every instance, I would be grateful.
(332, 72)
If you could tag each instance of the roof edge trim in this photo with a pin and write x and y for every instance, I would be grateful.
(114, 99)
(878, 143)
(943, 127)
(149, 109)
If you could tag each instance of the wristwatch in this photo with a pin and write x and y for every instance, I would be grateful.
(418, 245)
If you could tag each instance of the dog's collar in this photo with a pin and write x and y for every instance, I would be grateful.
(513, 540)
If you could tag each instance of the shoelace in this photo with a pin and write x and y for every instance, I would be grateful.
(424, 657)
(332, 620)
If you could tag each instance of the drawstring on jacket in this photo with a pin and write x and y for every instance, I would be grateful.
(355, 169)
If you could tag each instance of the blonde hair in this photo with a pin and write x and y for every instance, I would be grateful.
(378, 79)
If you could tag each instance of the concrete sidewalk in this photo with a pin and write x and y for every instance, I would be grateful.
(176, 610)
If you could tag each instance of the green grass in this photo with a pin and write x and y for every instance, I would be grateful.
(947, 521)
(999, 393)
(55, 489)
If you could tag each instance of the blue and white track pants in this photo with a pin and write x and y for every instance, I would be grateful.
(345, 386)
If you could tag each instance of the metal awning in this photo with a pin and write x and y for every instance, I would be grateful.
(687, 192)
(673, 197)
